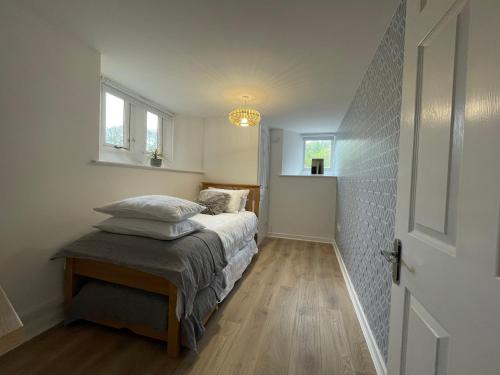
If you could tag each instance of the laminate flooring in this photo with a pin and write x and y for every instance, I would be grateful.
(289, 314)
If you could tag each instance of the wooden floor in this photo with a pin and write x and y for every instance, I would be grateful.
(290, 314)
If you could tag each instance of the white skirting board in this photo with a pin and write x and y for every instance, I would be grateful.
(43, 317)
(378, 359)
(299, 237)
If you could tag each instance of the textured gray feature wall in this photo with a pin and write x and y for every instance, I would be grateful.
(366, 163)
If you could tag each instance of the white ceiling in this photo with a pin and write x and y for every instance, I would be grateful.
(301, 60)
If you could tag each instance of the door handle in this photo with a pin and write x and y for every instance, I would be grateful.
(394, 257)
(389, 256)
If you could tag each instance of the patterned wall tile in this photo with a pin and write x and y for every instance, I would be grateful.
(366, 163)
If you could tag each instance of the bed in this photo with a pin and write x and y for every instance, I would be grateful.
(237, 232)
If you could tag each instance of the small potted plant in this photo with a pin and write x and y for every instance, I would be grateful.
(156, 158)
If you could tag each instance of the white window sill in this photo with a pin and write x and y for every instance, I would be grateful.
(308, 175)
(140, 166)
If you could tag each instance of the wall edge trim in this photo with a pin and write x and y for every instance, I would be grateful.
(39, 319)
(300, 237)
(377, 358)
(42, 318)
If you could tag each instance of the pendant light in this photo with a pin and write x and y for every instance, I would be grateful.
(244, 117)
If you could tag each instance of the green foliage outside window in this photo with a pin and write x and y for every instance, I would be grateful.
(318, 149)
(151, 140)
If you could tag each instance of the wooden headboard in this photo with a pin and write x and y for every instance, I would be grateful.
(253, 199)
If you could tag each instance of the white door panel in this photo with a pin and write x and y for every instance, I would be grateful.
(445, 314)
(427, 342)
(435, 89)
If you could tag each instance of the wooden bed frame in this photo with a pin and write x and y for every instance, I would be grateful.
(77, 270)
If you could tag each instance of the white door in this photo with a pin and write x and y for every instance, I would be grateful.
(445, 313)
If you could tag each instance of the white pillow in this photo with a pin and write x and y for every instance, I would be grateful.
(153, 207)
(238, 199)
(159, 230)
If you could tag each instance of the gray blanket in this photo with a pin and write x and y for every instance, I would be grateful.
(98, 300)
(193, 263)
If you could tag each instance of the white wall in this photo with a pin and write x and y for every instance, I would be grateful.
(300, 207)
(230, 152)
(188, 143)
(49, 116)
(293, 147)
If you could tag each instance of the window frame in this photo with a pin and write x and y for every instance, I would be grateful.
(126, 119)
(159, 132)
(135, 117)
(318, 137)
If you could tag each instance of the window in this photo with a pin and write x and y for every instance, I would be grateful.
(114, 123)
(153, 134)
(318, 147)
(132, 127)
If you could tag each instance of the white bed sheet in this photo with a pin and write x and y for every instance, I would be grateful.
(234, 229)
(237, 265)
(232, 272)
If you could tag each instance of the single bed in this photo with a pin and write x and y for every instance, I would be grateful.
(237, 232)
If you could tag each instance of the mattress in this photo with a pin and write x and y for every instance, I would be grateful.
(237, 265)
(234, 229)
(100, 300)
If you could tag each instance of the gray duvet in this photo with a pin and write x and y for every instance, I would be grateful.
(193, 263)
